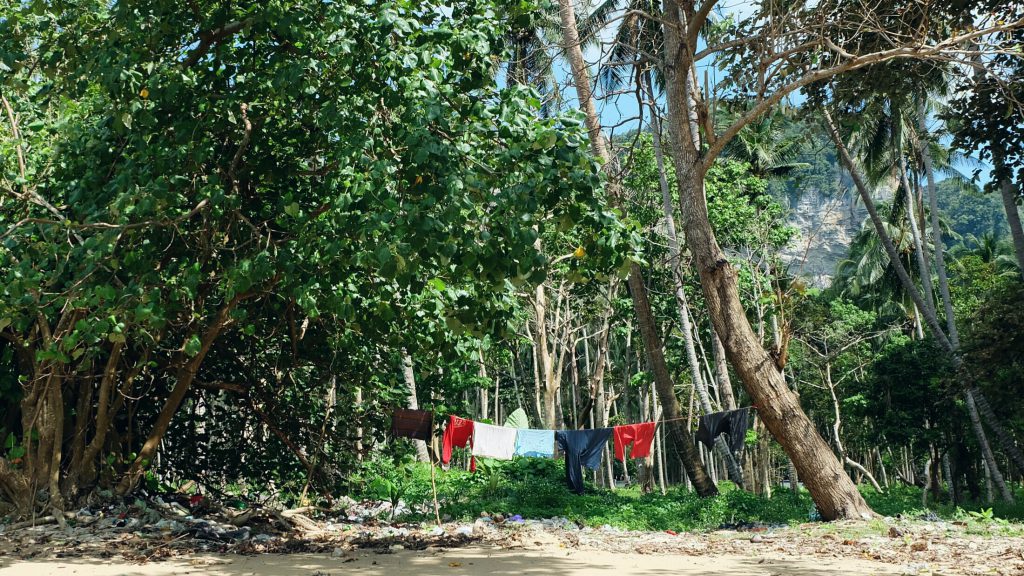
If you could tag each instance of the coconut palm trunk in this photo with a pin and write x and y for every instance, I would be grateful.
(912, 291)
(1009, 196)
(638, 290)
(947, 302)
(675, 253)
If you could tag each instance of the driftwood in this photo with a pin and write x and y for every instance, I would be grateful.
(295, 518)
(41, 521)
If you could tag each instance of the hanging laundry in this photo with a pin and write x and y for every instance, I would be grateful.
(535, 443)
(733, 422)
(494, 441)
(457, 434)
(640, 435)
(581, 448)
(417, 424)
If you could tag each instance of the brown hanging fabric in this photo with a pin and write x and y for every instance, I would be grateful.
(416, 424)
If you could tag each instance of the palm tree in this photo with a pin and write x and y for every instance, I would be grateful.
(769, 145)
(990, 249)
(926, 164)
(638, 40)
(638, 290)
(868, 277)
(530, 62)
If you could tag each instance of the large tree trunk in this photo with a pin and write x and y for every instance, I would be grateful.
(675, 253)
(638, 291)
(1009, 195)
(832, 490)
(666, 389)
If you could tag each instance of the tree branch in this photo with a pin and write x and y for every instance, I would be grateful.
(694, 26)
(107, 225)
(919, 51)
(210, 38)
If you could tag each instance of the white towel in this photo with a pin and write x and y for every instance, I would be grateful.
(493, 441)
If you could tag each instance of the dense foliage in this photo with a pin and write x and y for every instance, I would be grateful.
(269, 207)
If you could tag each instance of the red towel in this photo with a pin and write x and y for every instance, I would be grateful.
(458, 433)
(640, 435)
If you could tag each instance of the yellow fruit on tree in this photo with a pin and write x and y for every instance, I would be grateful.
(580, 252)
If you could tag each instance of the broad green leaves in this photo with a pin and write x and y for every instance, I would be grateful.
(517, 419)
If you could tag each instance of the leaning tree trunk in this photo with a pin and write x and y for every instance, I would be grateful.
(645, 317)
(915, 232)
(779, 408)
(947, 301)
(1009, 196)
(908, 284)
(666, 387)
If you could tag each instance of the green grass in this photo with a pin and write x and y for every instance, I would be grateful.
(535, 488)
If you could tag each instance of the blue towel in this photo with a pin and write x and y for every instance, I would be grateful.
(535, 443)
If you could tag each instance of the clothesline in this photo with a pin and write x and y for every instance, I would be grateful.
(662, 420)
(581, 448)
(415, 423)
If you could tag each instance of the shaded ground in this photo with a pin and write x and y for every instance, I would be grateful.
(487, 559)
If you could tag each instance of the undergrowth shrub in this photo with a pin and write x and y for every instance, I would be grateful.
(535, 488)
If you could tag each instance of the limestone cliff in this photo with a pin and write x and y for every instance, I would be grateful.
(826, 226)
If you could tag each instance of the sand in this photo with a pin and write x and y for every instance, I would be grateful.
(482, 560)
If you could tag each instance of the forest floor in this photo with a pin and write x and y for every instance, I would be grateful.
(116, 545)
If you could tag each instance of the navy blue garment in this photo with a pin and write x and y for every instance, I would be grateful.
(581, 448)
(734, 423)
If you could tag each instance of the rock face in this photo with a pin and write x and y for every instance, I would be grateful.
(826, 226)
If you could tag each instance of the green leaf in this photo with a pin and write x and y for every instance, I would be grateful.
(518, 419)
(193, 346)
